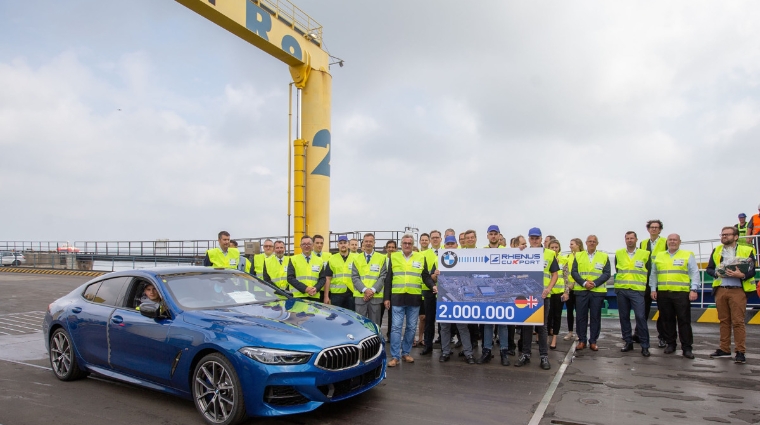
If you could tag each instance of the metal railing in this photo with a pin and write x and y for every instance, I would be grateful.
(293, 16)
(43, 246)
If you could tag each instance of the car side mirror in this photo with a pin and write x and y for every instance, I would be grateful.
(151, 309)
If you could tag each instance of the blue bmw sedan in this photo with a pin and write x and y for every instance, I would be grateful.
(233, 344)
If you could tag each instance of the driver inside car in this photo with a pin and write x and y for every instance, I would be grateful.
(150, 293)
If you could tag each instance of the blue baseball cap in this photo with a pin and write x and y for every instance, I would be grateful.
(342, 238)
(493, 228)
(450, 239)
(742, 215)
(535, 231)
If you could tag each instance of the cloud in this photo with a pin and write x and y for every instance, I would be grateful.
(579, 118)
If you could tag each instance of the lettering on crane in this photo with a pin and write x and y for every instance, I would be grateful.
(322, 140)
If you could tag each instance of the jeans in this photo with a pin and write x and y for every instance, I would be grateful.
(587, 304)
(488, 336)
(399, 347)
(627, 299)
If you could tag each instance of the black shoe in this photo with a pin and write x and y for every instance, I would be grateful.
(719, 353)
(628, 347)
(670, 349)
(437, 340)
(662, 343)
(522, 360)
(426, 351)
(444, 358)
(486, 357)
(511, 352)
(504, 358)
(740, 358)
(645, 352)
(545, 365)
(461, 354)
(688, 354)
(470, 359)
(636, 339)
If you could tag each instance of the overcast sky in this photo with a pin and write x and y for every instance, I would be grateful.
(141, 120)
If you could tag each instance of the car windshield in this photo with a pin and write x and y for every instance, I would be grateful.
(213, 290)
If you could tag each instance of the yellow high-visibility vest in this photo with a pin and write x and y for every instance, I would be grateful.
(220, 260)
(631, 271)
(589, 271)
(672, 277)
(407, 274)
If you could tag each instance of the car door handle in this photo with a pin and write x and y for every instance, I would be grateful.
(76, 310)
(117, 319)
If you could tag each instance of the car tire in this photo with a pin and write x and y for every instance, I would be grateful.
(16, 263)
(63, 360)
(217, 392)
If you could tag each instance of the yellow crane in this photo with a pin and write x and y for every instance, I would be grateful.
(284, 31)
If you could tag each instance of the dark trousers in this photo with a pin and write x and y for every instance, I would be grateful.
(430, 305)
(588, 305)
(628, 299)
(647, 310)
(345, 300)
(555, 314)
(570, 305)
(527, 335)
(675, 309)
(474, 334)
(389, 312)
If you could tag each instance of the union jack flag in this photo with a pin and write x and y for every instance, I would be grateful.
(532, 301)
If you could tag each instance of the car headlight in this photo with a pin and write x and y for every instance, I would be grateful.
(274, 356)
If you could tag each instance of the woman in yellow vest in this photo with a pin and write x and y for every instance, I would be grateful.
(576, 246)
(555, 299)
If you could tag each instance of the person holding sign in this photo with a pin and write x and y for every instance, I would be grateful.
(632, 266)
(408, 271)
(464, 332)
(486, 356)
(551, 267)
(591, 269)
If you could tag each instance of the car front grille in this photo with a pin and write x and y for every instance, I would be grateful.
(371, 348)
(347, 386)
(348, 356)
(283, 395)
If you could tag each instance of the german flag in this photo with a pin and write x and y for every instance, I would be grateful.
(521, 302)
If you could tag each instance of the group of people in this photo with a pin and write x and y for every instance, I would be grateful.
(404, 282)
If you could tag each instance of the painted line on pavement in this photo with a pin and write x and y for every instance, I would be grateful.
(26, 364)
(541, 409)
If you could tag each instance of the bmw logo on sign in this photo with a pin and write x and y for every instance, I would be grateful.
(449, 259)
(351, 337)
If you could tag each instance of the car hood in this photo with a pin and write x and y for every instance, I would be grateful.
(285, 324)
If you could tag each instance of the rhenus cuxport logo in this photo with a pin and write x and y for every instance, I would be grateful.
(514, 258)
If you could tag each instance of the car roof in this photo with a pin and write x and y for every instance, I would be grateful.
(168, 271)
